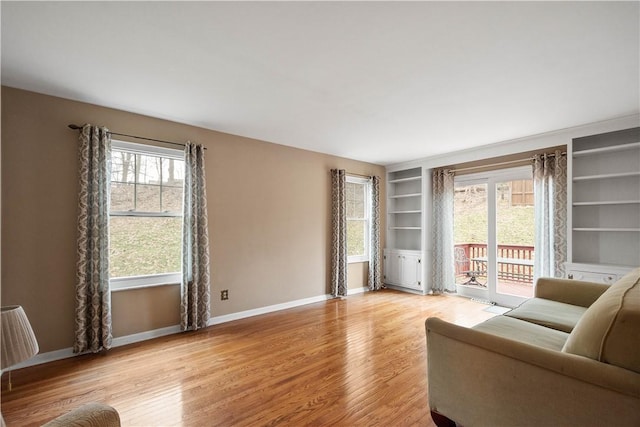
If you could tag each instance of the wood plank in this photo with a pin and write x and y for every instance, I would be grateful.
(344, 362)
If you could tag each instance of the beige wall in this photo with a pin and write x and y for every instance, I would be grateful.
(269, 209)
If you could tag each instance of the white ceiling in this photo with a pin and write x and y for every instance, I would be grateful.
(375, 81)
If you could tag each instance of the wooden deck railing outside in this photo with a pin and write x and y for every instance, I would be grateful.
(512, 270)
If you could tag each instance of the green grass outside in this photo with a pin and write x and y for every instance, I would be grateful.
(515, 224)
(141, 246)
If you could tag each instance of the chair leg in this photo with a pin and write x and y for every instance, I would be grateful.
(441, 420)
(473, 281)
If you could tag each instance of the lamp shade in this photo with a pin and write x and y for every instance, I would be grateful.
(18, 340)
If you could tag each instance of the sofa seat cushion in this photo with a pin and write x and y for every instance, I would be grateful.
(609, 331)
(526, 332)
(548, 313)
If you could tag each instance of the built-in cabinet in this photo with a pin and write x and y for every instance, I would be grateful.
(595, 272)
(403, 268)
(605, 205)
(405, 219)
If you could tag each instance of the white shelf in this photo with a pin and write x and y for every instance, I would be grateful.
(606, 176)
(606, 229)
(611, 149)
(605, 201)
(608, 202)
(405, 228)
(400, 196)
(413, 178)
(415, 211)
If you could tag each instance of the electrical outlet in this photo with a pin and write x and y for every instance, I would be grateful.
(224, 295)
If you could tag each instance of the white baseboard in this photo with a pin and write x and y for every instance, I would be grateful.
(403, 289)
(216, 320)
(143, 336)
(47, 357)
(66, 353)
(357, 290)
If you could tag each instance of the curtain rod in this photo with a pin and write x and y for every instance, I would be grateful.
(510, 162)
(76, 127)
(359, 175)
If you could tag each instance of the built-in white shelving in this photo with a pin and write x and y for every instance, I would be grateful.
(403, 255)
(606, 176)
(610, 149)
(409, 179)
(404, 209)
(605, 200)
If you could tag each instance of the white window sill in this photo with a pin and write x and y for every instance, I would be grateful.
(141, 282)
(155, 285)
(357, 259)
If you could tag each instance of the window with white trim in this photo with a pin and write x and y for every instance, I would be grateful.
(145, 215)
(358, 194)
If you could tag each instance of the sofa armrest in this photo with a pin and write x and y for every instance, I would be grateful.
(89, 415)
(575, 292)
(476, 378)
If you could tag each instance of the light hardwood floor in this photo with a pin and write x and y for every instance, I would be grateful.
(359, 361)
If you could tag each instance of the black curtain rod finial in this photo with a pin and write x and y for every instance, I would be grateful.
(74, 127)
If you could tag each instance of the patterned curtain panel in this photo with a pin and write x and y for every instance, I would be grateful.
(375, 270)
(195, 293)
(338, 233)
(550, 205)
(443, 268)
(93, 298)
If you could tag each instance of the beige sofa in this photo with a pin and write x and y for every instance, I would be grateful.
(569, 356)
(89, 415)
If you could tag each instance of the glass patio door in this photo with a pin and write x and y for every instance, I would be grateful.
(494, 234)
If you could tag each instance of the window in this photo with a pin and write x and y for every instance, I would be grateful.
(145, 215)
(358, 195)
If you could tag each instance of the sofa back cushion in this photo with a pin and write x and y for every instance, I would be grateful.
(609, 331)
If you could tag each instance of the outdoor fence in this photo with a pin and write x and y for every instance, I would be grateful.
(515, 263)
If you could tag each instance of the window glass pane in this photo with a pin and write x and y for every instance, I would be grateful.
(148, 169)
(355, 200)
(515, 238)
(172, 172)
(470, 225)
(122, 197)
(349, 191)
(148, 198)
(122, 166)
(358, 194)
(355, 237)
(172, 199)
(143, 245)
